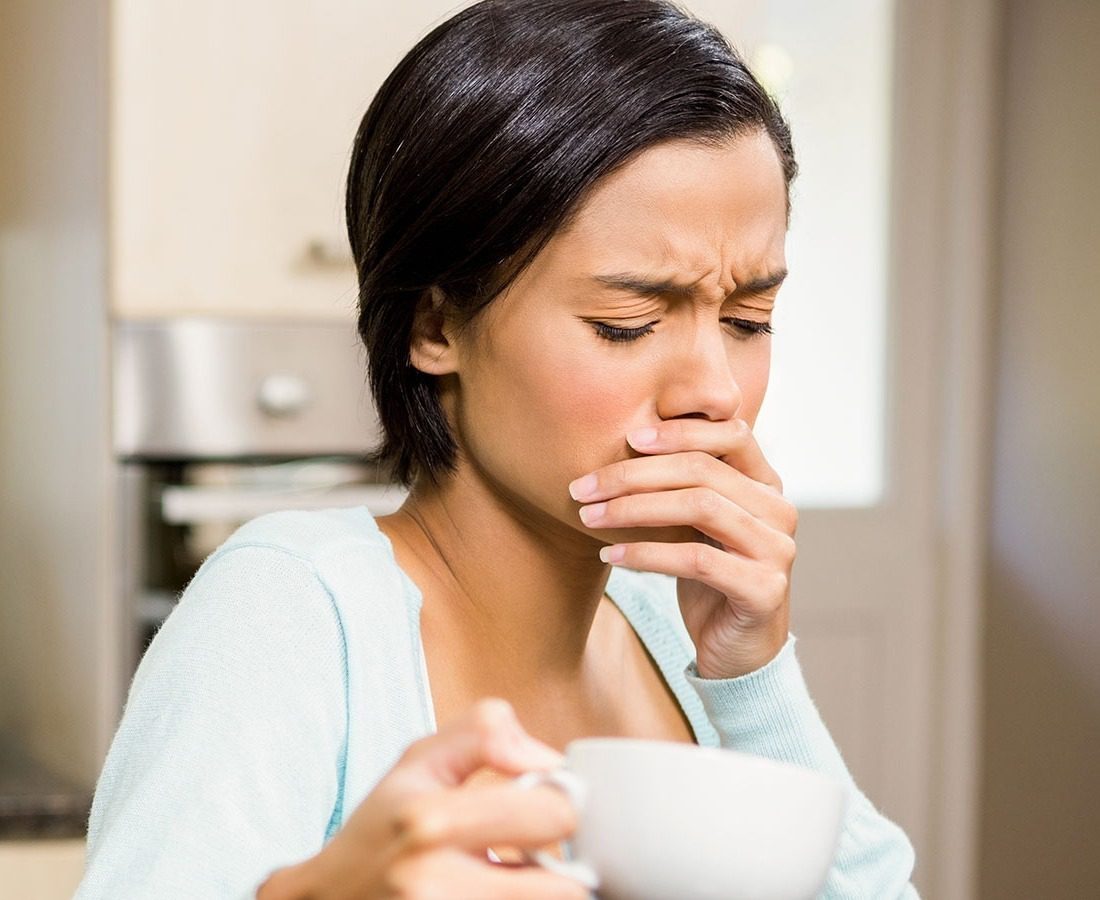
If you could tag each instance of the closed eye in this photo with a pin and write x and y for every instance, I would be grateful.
(750, 328)
(618, 333)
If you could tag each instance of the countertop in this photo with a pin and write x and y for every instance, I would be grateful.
(36, 803)
(41, 869)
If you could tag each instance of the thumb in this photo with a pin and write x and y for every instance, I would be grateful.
(488, 734)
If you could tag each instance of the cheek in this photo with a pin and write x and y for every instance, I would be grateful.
(752, 379)
(570, 405)
(541, 413)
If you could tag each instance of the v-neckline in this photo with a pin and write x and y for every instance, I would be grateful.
(644, 623)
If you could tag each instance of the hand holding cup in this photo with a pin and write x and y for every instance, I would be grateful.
(423, 833)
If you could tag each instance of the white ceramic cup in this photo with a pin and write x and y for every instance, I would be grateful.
(661, 820)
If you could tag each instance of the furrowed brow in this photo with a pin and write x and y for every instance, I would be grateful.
(651, 287)
(646, 287)
(762, 285)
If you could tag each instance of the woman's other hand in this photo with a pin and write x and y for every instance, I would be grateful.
(734, 583)
(421, 834)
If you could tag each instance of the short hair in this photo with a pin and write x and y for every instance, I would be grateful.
(482, 143)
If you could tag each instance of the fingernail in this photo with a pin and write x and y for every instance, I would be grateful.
(593, 513)
(612, 554)
(642, 437)
(583, 488)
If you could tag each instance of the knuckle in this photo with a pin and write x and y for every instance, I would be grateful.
(619, 475)
(741, 430)
(743, 517)
(788, 548)
(706, 502)
(779, 584)
(702, 561)
(698, 465)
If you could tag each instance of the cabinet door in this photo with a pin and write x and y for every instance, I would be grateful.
(231, 130)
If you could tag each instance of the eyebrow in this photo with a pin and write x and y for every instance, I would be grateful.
(640, 284)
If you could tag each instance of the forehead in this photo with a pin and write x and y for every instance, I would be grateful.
(712, 213)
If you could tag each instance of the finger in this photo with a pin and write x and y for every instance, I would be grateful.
(690, 468)
(759, 591)
(731, 441)
(489, 734)
(478, 817)
(700, 507)
(457, 876)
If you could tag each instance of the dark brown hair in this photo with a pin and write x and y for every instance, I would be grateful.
(484, 140)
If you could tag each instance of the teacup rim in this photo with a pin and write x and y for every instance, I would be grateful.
(699, 751)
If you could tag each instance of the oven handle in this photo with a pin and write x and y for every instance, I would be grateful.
(184, 505)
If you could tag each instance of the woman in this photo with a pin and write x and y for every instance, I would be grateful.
(568, 218)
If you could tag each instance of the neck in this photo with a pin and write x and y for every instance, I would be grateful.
(513, 592)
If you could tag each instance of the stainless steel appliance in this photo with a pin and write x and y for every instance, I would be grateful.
(218, 421)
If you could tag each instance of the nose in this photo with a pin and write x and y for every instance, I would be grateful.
(700, 381)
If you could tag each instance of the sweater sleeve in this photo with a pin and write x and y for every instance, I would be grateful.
(770, 713)
(228, 761)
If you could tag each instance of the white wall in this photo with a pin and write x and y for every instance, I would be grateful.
(54, 462)
(1041, 806)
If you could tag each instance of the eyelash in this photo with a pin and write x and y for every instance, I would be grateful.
(748, 328)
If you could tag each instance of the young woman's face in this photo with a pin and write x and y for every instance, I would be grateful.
(652, 305)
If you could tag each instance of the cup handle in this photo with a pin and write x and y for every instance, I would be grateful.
(575, 789)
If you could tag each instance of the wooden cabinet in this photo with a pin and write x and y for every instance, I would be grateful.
(231, 129)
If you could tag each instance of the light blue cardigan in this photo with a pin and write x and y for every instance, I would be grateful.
(291, 677)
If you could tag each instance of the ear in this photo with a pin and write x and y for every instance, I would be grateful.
(431, 344)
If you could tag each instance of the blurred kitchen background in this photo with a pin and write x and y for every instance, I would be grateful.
(177, 354)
